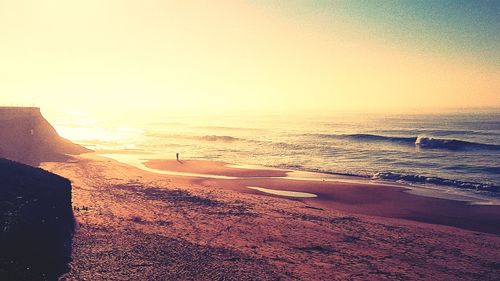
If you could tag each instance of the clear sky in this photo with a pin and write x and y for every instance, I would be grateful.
(150, 56)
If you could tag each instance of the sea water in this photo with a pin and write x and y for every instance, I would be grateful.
(457, 151)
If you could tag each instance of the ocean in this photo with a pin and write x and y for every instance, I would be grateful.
(452, 152)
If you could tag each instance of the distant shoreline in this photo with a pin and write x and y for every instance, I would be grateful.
(341, 193)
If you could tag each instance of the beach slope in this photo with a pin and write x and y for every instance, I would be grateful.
(139, 225)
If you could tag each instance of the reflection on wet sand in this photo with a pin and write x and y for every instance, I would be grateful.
(284, 192)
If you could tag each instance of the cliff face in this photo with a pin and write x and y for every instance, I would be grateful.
(36, 223)
(25, 136)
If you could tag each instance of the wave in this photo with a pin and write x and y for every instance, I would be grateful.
(407, 178)
(226, 128)
(370, 137)
(420, 179)
(298, 167)
(210, 138)
(425, 142)
(218, 138)
(452, 144)
(434, 132)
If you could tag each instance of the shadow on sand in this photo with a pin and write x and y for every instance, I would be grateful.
(36, 223)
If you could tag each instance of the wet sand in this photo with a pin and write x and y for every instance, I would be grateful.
(210, 168)
(146, 226)
(377, 200)
(360, 198)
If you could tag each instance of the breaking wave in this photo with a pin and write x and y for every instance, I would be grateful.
(406, 178)
(419, 179)
(419, 141)
(452, 144)
(209, 138)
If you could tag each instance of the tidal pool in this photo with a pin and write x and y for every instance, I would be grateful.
(284, 192)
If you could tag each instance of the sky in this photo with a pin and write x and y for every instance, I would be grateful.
(141, 58)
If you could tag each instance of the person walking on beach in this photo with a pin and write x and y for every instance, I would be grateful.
(177, 156)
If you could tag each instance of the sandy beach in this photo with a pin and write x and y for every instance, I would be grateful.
(149, 226)
(361, 198)
(249, 140)
(211, 168)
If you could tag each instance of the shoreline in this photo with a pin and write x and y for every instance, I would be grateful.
(223, 170)
(137, 224)
(338, 193)
(213, 168)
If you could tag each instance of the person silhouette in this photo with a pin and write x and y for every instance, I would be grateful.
(177, 156)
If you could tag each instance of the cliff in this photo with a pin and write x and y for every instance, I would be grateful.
(25, 136)
(36, 223)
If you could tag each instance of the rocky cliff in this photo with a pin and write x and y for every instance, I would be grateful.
(25, 136)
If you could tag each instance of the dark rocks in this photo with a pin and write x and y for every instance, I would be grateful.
(36, 223)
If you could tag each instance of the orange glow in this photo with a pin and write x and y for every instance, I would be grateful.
(219, 56)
